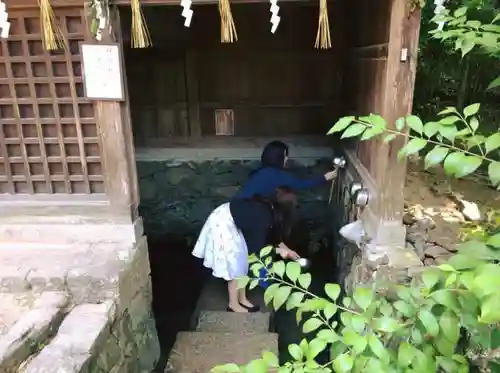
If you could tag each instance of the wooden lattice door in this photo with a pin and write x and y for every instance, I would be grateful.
(49, 141)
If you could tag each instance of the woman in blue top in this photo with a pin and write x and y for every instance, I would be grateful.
(243, 226)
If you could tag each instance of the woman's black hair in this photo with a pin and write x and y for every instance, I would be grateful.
(273, 155)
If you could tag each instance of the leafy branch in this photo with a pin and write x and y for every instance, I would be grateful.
(456, 142)
(412, 328)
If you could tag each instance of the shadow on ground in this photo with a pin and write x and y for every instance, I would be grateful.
(177, 278)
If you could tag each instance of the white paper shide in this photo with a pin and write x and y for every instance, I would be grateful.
(187, 12)
(101, 72)
(275, 18)
(4, 23)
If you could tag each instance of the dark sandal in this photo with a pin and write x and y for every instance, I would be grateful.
(252, 309)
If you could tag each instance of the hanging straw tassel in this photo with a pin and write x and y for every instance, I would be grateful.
(140, 33)
(323, 40)
(52, 36)
(227, 28)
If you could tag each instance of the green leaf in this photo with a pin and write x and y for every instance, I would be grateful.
(431, 128)
(429, 321)
(281, 296)
(363, 297)
(311, 325)
(378, 122)
(400, 124)
(492, 142)
(470, 163)
(265, 251)
(467, 45)
(354, 130)
(494, 240)
(305, 280)
(414, 146)
(444, 346)
(270, 292)
(435, 156)
(448, 110)
(256, 366)
(295, 352)
(333, 291)
(294, 300)
(357, 323)
(385, 324)
(415, 123)
(445, 297)
(253, 284)
(316, 346)
(293, 271)
(355, 340)
(453, 163)
(494, 173)
(270, 359)
(490, 309)
(328, 335)
(330, 310)
(343, 363)
(242, 282)
(448, 132)
(405, 354)
(471, 110)
(494, 366)
(474, 124)
(446, 121)
(450, 326)
(446, 268)
(226, 368)
(341, 124)
(404, 308)
(279, 268)
(460, 12)
(378, 348)
(494, 84)
(430, 277)
(390, 137)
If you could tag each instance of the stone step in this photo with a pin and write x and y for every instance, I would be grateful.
(213, 297)
(232, 322)
(199, 352)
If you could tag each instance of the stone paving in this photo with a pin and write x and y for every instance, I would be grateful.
(76, 308)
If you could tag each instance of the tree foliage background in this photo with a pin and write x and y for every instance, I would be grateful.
(444, 78)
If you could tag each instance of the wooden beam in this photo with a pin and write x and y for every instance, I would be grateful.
(29, 4)
(202, 2)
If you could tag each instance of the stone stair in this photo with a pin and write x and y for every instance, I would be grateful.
(219, 336)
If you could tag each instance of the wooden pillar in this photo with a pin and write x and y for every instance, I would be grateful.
(118, 154)
(397, 102)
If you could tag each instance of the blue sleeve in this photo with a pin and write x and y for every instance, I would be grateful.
(288, 180)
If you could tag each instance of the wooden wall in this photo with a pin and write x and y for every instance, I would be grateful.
(49, 141)
(276, 84)
(366, 66)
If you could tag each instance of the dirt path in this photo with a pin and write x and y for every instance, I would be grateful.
(438, 207)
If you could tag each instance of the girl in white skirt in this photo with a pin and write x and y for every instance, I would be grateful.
(243, 226)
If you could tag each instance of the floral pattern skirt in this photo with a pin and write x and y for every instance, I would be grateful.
(222, 246)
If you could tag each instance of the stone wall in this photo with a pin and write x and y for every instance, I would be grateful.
(177, 197)
(90, 312)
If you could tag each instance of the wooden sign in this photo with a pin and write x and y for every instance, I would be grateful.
(224, 122)
(102, 71)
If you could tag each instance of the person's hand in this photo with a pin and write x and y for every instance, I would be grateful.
(286, 253)
(330, 175)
